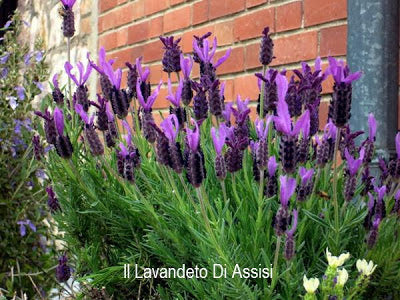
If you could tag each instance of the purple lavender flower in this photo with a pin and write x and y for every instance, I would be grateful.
(27, 58)
(200, 106)
(68, 25)
(272, 180)
(63, 271)
(290, 243)
(368, 144)
(199, 40)
(187, 92)
(380, 211)
(340, 105)
(394, 164)
(267, 48)
(37, 147)
(63, 144)
(195, 168)
(102, 118)
(132, 78)
(215, 100)
(219, 142)
(52, 201)
(282, 218)
(175, 100)
(105, 83)
(227, 112)
(58, 96)
(351, 173)
(326, 146)
(262, 150)
(8, 23)
(91, 136)
(170, 127)
(373, 234)
(4, 58)
(234, 154)
(396, 207)
(20, 92)
(81, 93)
(306, 184)
(367, 180)
(22, 228)
(242, 120)
(171, 57)
(270, 91)
(162, 147)
(49, 126)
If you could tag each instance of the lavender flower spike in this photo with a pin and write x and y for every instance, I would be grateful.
(261, 130)
(193, 136)
(170, 127)
(219, 141)
(294, 223)
(68, 25)
(175, 99)
(147, 105)
(171, 58)
(206, 56)
(272, 166)
(305, 175)
(397, 140)
(186, 66)
(143, 75)
(83, 75)
(354, 164)
(290, 244)
(69, 3)
(59, 121)
(288, 186)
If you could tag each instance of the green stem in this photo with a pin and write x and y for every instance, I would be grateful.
(262, 94)
(275, 265)
(224, 191)
(234, 189)
(335, 196)
(187, 190)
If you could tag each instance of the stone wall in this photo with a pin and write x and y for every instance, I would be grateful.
(45, 23)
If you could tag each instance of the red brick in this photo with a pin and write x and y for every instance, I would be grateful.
(295, 48)
(251, 3)
(153, 6)
(177, 19)
(288, 16)
(317, 11)
(153, 51)
(252, 56)
(157, 74)
(156, 27)
(157, 118)
(138, 32)
(229, 90)
(105, 5)
(115, 18)
(224, 33)
(234, 63)
(200, 12)
(333, 41)
(219, 8)
(108, 41)
(252, 25)
(161, 101)
(175, 2)
(126, 55)
(138, 10)
(323, 114)
(187, 38)
(246, 86)
(327, 84)
(122, 37)
(121, 1)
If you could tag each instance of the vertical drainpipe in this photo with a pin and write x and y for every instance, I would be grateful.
(373, 48)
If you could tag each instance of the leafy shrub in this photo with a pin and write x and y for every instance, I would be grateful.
(25, 255)
(208, 186)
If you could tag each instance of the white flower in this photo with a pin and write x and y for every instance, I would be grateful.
(335, 261)
(364, 267)
(342, 276)
(13, 102)
(311, 284)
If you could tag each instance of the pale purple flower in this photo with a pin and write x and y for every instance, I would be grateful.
(272, 166)
(262, 127)
(242, 105)
(354, 164)
(4, 58)
(85, 118)
(287, 188)
(7, 24)
(83, 75)
(102, 61)
(372, 127)
(22, 224)
(124, 151)
(330, 131)
(12, 101)
(128, 137)
(371, 202)
(186, 66)
(27, 58)
(305, 175)
(27, 24)
(69, 3)
(150, 100)
(170, 127)
(39, 85)
(219, 140)
(294, 223)
(39, 56)
(175, 99)
(193, 136)
(20, 92)
(341, 73)
(226, 113)
(59, 121)
(380, 191)
(55, 81)
(4, 73)
(143, 75)
(282, 121)
(206, 54)
(398, 145)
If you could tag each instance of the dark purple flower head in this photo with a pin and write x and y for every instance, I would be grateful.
(354, 164)
(266, 48)
(206, 55)
(282, 121)
(84, 116)
(171, 57)
(193, 136)
(261, 128)
(109, 113)
(170, 126)
(148, 104)
(294, 223)
(287, 188)
(68, 3)
(186, 66)
(219, 141)
(381, 192)
(52, 201)
(63, 271)
(341, 73)
(102, 62)
(372, 127)
(59, 121)
(143, 74)
(305, 175)
(83, 75)
(242, 111)
(175, 99)
(272, 166)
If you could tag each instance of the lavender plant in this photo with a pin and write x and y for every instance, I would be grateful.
(208, 186)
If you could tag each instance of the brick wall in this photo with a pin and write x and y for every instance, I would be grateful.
(301, 30)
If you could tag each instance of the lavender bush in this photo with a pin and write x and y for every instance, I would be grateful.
(210, 186)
